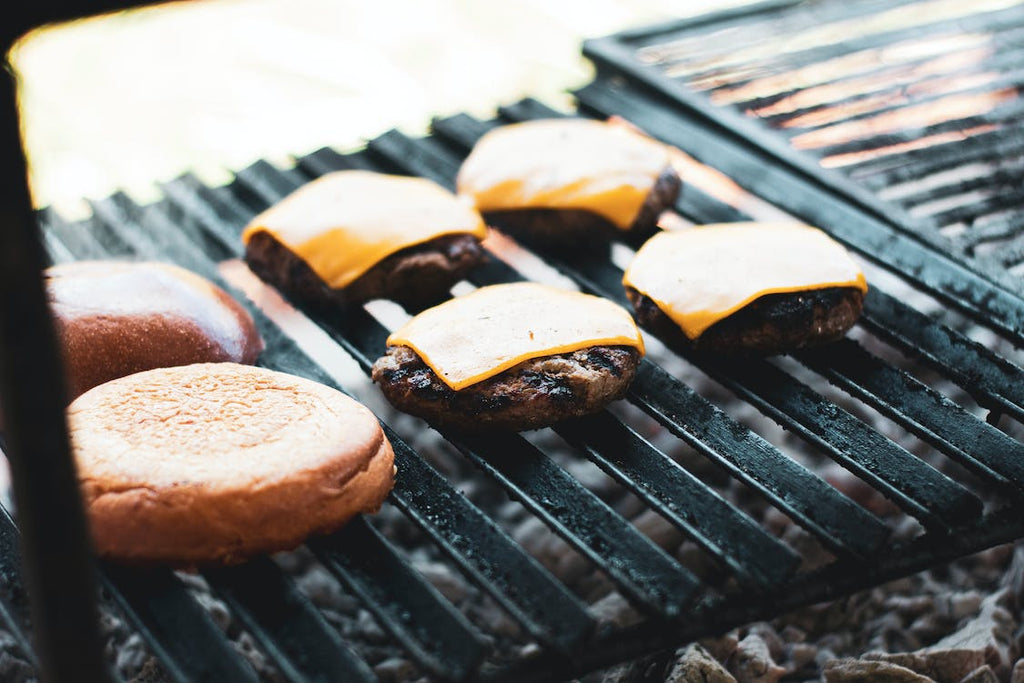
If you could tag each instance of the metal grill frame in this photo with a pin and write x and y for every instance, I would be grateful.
(197, 225)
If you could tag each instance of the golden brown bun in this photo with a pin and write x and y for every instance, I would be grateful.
(116, 318)
(214, 463)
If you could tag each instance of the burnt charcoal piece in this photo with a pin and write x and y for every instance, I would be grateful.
(536, 393)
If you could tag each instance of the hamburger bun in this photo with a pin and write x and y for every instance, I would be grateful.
(214, 463)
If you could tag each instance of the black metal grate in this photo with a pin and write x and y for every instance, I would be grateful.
(759, 576)
(909, 111)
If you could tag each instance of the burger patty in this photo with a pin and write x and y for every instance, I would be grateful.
(416, 277)
(579, 229)
(773, 323)
(533, 394)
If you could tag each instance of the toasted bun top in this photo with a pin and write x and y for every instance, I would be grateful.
(564, 164)
(116, 318)
(216, 427)
(344, 223)
(473, 337)
(701, 275)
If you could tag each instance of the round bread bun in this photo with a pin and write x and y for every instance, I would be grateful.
(116, 318)
(215, 463)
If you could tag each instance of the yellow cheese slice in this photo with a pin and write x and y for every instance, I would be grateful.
(344, 223)
(701, 275)
(473, 337)
(564, 164)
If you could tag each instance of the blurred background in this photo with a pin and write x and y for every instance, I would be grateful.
(124, 100)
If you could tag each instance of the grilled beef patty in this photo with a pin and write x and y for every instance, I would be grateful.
(416, 277)
(575, 229)
(773, 323)
(536, 393)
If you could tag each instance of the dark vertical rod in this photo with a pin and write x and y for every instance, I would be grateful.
(59, 569)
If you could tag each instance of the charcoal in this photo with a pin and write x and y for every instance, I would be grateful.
(694, 664)
(983, 674)
(868, 671)
(656, 528)
(990, 633)
(941, 665)
(752, 662)
(393, 670)
(613, 610)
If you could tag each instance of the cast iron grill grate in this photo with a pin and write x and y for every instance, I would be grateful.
(964, 508)
(909, 110)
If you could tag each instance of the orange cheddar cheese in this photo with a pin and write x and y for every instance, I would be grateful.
(473, 337)
(701, 275)
(344, 223)
(564, 164)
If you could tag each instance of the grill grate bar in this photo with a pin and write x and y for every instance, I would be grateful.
(14, 608)
(998, 116)
(986, 147)
(174, 625)
(545, 608)
(1006, 176)
(887, 56)
(936, 273)
(518, 582)
(877, 90)
(720, 529)
(642, 570)
(644, 573)
(718, 57)
(295, 635)
(1002, 227)
(1007, 199)
(922, 410)
(405, 605)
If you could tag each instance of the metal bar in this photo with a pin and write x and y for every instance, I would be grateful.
(647, 576)
(55, 548)
(405, 605)
(715, 525)
(1002, 114)
(176, 627)
(15, 612)
(989, 147)
(283, 620)
(922, 410)
(550, 613)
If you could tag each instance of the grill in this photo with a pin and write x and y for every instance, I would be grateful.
(964, 494)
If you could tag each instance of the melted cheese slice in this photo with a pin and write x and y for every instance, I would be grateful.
(564, 164)
(344, 223)
(473, 337)
(702, 275)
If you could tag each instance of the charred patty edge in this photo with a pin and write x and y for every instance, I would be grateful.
(417, 276)
(579, 229)
(771, 324)
(533, 394)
